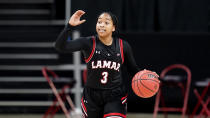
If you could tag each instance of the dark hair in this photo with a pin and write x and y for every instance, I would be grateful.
(114, 20)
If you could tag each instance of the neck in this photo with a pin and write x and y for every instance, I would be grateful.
(106, 40)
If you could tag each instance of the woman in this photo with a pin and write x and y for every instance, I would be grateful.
(103, 95)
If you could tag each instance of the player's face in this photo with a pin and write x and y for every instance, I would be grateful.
(104, 26)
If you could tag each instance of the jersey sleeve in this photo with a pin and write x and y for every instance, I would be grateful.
(129, 60)
(64, 42)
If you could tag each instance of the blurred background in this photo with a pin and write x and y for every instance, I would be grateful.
(161, 33)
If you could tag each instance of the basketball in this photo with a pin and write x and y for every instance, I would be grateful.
(145, 83)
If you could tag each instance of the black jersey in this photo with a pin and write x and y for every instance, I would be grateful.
(104, 64)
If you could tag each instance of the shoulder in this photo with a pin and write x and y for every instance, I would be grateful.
(126, 46)
(87, 41)
(124, 42)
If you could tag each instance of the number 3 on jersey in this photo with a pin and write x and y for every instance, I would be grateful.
(105, 77)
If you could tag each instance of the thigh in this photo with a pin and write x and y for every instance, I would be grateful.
(90, 108)
(115, 108)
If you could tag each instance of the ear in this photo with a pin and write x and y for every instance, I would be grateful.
(113, 29)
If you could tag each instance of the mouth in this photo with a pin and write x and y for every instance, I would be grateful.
(101, 30)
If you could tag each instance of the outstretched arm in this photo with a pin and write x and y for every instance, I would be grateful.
(64, 42)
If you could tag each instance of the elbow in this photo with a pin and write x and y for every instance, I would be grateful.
(57, 47)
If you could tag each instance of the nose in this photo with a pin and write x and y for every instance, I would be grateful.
(101, 25)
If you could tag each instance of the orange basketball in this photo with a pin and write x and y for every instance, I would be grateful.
(145, 83)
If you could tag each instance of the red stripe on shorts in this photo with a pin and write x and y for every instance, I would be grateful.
(114, 114)
(83, 105)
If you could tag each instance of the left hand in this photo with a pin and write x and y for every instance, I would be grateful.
(145, 70)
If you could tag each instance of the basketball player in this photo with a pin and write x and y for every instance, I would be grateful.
(103, 95)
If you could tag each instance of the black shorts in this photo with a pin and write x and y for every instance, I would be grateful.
(97, 103)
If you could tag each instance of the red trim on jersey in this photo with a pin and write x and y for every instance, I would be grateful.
(93, 50)
(114, 114)
(121, 50)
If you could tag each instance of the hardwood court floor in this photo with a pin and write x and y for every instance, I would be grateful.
(130, 115)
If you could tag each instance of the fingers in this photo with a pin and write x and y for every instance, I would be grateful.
(152, 72)
(156, 74)
(82, 21)
(75, 18)
(80, 13)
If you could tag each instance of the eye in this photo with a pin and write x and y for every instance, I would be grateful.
(106, 23)
(99, 22)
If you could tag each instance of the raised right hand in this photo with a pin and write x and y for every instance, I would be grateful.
(75, 18)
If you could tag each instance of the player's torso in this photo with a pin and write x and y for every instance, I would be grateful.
(104, 65)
